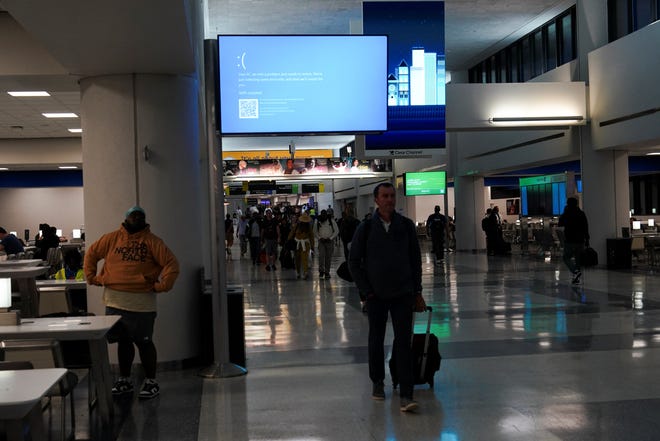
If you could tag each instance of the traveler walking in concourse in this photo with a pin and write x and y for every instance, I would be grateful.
(137, 265)
(241, 233)
(347, 229)
(254, 236)
(326, 230)
(386, 263)
(303, 233)
(576, 236)
(436, 228)
(229, 235)
(270, 235)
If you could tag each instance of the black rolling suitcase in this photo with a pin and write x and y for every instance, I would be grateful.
(426, 356)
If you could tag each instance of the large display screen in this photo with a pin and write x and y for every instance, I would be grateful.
(425, 183)
(286, 84)
(543, 195)
(415, 74)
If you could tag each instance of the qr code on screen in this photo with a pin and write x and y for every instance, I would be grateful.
(248, 109)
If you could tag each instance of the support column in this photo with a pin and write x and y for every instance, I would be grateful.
(141, 146)
(470, 208)
(605, 192)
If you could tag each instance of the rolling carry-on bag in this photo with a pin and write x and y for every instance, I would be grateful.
(426, 356)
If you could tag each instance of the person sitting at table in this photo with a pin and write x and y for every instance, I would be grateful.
(72, 269)
(9, 243)
(48, 240)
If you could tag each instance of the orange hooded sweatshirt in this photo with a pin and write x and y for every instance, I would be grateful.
(138, 262)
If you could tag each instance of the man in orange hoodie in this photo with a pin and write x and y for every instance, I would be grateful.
(137, 265)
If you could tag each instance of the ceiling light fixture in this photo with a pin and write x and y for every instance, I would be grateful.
(3, 169)
(653, 154)
(537, 120)
(60, 115)
(67, 167)
(29, 93)
(75, 130)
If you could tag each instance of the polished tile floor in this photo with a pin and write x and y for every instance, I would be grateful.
(526, 356)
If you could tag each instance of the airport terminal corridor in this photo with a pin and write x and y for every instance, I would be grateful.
(526, 355)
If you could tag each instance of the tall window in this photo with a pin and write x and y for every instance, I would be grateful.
(551, 47)
(566, 39)
(626, 16)
(541, 50)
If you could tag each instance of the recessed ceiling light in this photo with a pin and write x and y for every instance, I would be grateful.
(29, 93)
(75, 130)
(68, 167)
(3, 169)
(653, 154)
(60, 115)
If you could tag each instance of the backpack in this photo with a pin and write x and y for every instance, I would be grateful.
(439, 224)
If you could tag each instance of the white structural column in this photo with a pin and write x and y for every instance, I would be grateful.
(605, 191)
(470, 207)
(141, 146)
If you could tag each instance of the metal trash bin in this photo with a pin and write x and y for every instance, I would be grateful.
(619, 253)
(235, 326)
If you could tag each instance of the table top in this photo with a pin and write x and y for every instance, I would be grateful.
(21, 390)
(91, 327)
(22, 272)
(20, 262)
(67, 283)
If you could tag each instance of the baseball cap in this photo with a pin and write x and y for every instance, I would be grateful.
(135, 208)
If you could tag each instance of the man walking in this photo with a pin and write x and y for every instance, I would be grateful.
(576, 235)
(436, 227)
(137, 266)
(326, 231)
(386, 264)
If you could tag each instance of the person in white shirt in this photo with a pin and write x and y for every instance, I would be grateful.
(326, 231)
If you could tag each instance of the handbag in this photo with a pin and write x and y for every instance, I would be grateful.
(589, 257)
(290, 245)
(344, 273)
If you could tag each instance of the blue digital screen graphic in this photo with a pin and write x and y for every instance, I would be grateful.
(415, 73)
(277, 84)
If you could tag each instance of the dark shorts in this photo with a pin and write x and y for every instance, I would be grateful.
(132, 326)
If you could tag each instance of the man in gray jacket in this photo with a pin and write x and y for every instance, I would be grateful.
(386, 264)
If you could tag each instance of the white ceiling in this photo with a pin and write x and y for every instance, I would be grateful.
(64, 40)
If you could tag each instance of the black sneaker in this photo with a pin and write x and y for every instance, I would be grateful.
(150, 389)
(408, 405)
(122, 386)
(378, 391)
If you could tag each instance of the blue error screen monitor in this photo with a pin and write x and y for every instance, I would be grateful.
(302, 84)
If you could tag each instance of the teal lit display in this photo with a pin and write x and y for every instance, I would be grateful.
(425, 183)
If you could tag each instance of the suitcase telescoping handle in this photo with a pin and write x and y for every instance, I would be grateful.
(427, 338)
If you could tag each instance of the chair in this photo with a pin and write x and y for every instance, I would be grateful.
(54, 259)
(45, 354)
(15, 365)
(637, 246)
(652, 245)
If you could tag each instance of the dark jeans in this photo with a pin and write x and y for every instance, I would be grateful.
(573, 250)
(401, 310)
(438, 241)
(255, 248)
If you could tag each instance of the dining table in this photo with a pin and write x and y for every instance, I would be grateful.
(21, 392)
(92, 329)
